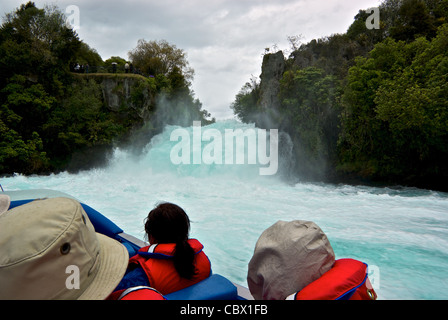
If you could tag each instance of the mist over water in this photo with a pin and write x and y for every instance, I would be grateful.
(401, 232)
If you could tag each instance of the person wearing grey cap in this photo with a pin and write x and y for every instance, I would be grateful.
(287, 257)
(295, 261)
(50, 250)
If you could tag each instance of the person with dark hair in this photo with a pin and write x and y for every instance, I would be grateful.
(168, 223)
(172, 261)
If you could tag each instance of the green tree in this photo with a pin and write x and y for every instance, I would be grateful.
(89, 56)
(309, 114)
(160, 57)
(36, 48)
(245, 106)
(19, 155)
(395, 112)
(414, 20)
(169, 67)
(119, 61)
(37, 43)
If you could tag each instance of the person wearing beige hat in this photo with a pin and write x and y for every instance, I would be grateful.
(50, 250)
(5, 201)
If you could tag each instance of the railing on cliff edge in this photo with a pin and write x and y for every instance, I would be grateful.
(86, 69)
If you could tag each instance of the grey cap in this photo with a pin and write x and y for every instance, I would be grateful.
(287, 257)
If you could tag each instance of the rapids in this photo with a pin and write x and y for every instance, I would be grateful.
(402, 233)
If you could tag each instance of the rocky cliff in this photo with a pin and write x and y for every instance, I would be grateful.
(129, 101)
(129, 95)
(272, 72)
(299, 103)
(137, 107)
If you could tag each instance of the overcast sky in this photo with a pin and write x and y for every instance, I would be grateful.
(224, 39)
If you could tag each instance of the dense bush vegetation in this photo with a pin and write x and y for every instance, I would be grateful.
(369, 104)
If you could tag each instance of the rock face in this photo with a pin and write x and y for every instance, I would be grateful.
(121, 93)
(128, 95)
(132, 103)
(307, 163)
(272, 72)
(111, 97)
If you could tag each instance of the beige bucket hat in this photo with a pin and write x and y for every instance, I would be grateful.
(50, 250)
(5, 201)
(287, 257)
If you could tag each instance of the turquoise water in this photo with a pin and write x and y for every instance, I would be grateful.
(402, 233)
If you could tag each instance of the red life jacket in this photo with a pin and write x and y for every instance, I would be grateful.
(159, 267)
(346, 280)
